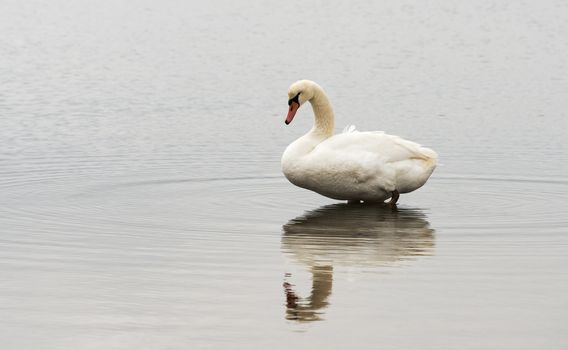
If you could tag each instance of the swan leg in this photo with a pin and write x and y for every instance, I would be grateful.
(353, 201)
(394, 198)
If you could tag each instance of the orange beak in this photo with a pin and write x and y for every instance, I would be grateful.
(292, 112)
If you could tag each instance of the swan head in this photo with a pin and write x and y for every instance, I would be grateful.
(298, 93)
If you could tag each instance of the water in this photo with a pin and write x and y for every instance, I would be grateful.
(142, 203)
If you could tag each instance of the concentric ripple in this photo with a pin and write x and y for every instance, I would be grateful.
(466, 202)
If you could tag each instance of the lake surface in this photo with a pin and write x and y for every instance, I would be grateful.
(142, 204)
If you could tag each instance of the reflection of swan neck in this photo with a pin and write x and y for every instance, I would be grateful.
(322, 281)
(301, 309)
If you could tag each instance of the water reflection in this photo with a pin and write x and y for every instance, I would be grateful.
(349, 235)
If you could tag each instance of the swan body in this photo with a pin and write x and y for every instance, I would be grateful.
(369, 166)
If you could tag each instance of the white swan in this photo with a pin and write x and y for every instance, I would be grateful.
(354, 166)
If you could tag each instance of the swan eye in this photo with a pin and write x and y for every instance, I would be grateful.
(295, 99)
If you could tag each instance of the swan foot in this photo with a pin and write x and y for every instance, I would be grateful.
(353, 201)
(394, 199)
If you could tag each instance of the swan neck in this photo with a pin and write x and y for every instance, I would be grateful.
(323, 115)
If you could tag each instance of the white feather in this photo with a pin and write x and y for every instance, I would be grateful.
(349, 128)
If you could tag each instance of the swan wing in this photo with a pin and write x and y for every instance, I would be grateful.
(378, 159)
(389, 148)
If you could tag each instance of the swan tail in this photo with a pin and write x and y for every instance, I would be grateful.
(429, 156)
(414, 172)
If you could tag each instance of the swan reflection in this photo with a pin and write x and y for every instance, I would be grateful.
(349, 235)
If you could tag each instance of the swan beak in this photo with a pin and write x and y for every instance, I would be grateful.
(291, 112)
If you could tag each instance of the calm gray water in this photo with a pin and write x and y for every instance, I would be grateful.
(142, 204)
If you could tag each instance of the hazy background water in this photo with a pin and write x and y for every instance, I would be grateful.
(142, 203)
